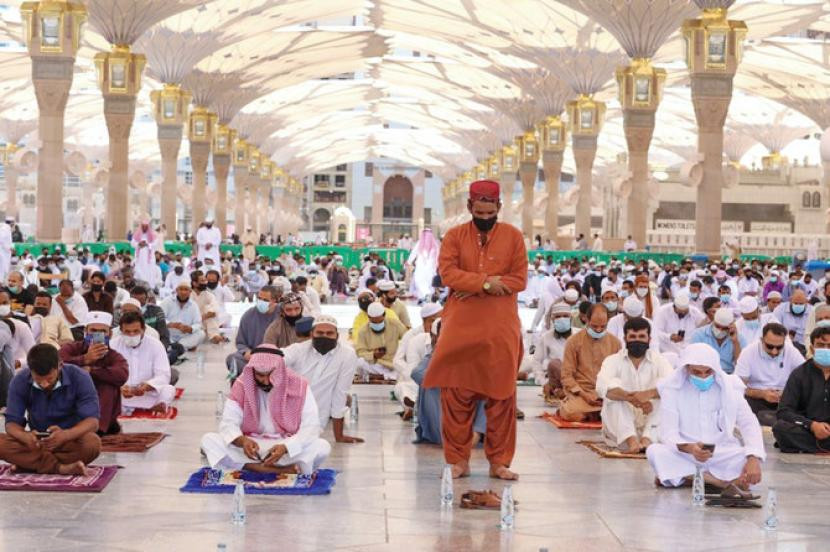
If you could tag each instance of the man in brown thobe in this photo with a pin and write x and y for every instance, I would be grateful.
(484, 263)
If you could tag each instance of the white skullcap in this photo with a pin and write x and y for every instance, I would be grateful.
(606, 288)
(184, 284)
(560, 308)
(131, 301)
(748, 305)
(324, 319)
(98, 317)
(375, 309)
(724, 317)
(774, 295)
(571, 295)
(633, 307)
(386, 285)
(773, 273)
(700, 354)
(682, 301)
(430, 309)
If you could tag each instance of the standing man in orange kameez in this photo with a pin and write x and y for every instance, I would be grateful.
(484, 263)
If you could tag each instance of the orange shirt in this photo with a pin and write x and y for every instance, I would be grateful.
(480, 346)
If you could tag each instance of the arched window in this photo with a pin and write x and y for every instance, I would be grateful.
(321, 220)
(816, 200)
(341, 233)
(397, 198)
(805, 199)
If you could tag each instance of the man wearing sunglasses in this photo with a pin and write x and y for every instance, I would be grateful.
(764, 366)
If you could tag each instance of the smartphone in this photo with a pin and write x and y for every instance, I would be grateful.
(682, 333)
(382, 349)
(709, 447)
(99, 337)
(42, 434)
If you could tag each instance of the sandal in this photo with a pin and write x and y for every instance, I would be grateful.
(739, 503)
(487, 496)
(733, 492)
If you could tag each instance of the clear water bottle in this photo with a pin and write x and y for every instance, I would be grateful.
(771, 514)
(508, 509)
(353, 411)
(698, 488)
(200, 365)
(238, 514)
(220, 404)
(447, 494)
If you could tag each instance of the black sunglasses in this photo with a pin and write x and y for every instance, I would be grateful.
(773, 347)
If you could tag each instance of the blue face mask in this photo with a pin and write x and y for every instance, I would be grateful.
(694, 296)
(563, 325)
(624, 293)
(595, 334)
(773, 279)
(703, 384)
(377, 326)
(823, 323)
(611, 305)
(798, 309)
(262, 306)
(724, 298)
(822, 356)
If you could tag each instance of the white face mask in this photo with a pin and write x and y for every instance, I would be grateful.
(5, 310)
(132, 340)
(642, 292)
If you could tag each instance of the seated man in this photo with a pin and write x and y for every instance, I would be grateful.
(303, 327)
(183, 318)
(148, 385)
(412, 348)
(329, 367)
(208, 306)
(21, 331)
(700, 408)
(389, 299)
(54, 398)
(71, 306)
(627, 385)
(364, 299)
(107, 367)
(546, 362)
(794, 315)
(22, 299)
(47, 327)
(252, 327)
(377, 343)
(583, 357)
(675, 323)
(96, 298)
(223, 296)
(722, 336)
(270, 423)
(282, 332)
(752, 320)
(803, 423)
(632, 308)
(765, 366)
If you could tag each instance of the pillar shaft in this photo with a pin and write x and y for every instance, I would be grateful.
(199, 157)
(119, 111)
(639, 128)
(527, 172)
(826, 182)
(240, 177)
(221, 167)
(508, 185)
(11, 190)
(552, 166)
(170, 141)
(584, 151)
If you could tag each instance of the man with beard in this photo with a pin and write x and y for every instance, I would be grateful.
(389, 299)
(184, 321)
(281, 332)
(208, 306)
(377, 343)
(208, 239)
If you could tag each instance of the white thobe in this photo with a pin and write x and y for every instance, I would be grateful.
(187, 314)
(145, 258)
(413, 347)
(667, 323)
(172, 281)
(550, 347)
(6, 246)
(304, 448)
(749, 332)
(688, 415)
(617, 323)
(748, 285)
(620, 420)
(793, 323)
(329, 376)
(211, 236)
(77, 306)
(148, 364)
(313, 300)
(76, 269)
(22, 341)
(223, 295)
(760, 371)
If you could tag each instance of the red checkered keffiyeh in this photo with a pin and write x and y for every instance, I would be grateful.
(285, 401)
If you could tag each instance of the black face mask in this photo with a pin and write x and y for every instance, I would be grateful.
(485, 225)
(364, 304)
(265, 387)
(292, 319)
(200, 287)
(391, 300)
(636, 349)
(178, 270)
(323, 344)
(212, 285)
(96, 287)
(43, 311)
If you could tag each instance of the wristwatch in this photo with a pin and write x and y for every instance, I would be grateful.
(486, 286)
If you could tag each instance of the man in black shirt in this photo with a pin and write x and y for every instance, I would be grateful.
(804, 410)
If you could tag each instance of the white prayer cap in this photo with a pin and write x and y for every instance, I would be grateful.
(682, 301)
(386, 285)
(375, 309)
(430, 309)
(571, 295)
(184, 284)
(606, 288)
(98, 317)
(324, 319)
(724, 317)
(131, 301)
(713, 268)
(560, 308)
(633, 307)
(774, 295)
(700, 354)
(773, 273)
(748, 305)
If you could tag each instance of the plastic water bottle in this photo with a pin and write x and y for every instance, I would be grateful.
(507, 509)
(220, 404)
(698, 488)
(353, 411)
(200, 364)
(447, 494)
(238, 515)
(771, 514)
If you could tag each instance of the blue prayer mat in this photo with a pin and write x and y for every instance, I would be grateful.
(208, 480)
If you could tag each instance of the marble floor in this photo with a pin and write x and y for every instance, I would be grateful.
(387, 496)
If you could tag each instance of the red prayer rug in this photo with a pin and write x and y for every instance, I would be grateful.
(562, 424)
(94, 482)
(131, 442)
(179, 393)
(142, 414)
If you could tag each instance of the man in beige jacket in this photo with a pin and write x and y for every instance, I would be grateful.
(48, 328)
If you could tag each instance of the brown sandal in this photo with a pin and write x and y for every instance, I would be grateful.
(482, 500)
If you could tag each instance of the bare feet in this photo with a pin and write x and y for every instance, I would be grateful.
(407, 414)
(161, 408)
(262, 468)
(498, 471)
(75, 468)
(644, 444)
(217, 339)
(462, 469)
(630, 445)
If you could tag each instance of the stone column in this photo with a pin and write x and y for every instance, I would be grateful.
(527, 172)
(11, 180)
(585, 151)
(377, 205)
(552, 166)
(240, 179)
(170, 141)
(508, 186)
(639, 128)
(199, 157)
(119, 112)
(221, 167)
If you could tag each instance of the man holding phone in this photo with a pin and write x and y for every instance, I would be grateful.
(377, 343)
(722, 336)
(59, 404)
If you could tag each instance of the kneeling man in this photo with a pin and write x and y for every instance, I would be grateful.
(627, 383)
(700, 409)
(270, 423)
